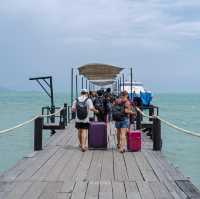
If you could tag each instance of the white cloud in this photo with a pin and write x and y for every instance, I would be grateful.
(145, 22)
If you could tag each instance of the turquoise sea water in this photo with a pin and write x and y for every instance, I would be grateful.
(180, 149)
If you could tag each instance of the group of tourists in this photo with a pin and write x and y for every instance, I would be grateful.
(103, 106)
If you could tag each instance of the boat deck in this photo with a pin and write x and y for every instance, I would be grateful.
(61, 171)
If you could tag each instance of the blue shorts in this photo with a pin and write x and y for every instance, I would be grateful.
(122, 124)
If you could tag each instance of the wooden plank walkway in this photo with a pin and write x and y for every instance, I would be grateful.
(61, 171)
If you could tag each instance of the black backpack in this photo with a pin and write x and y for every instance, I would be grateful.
(99, 104)
(81, 109)
(118, 112)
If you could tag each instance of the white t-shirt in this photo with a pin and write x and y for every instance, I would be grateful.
(89, 106)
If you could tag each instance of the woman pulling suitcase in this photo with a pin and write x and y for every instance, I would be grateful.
(121, 112)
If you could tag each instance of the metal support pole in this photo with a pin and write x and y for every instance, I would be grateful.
(123, 80)
(52, 101)
(157, 141)
(131, 83)
(118, 87)
(72, 87)
(82, 82)
(38, 126)
(120, 84)
(76, 86)
(86, 83)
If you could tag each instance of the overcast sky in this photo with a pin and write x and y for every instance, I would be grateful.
(160, 39)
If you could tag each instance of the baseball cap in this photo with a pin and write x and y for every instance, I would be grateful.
(84, 90)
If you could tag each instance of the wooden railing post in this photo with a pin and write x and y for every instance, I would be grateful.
(65, 114)
(157, 141)
(138, 120)
(151, 112)
(38, 126)
(68, 113)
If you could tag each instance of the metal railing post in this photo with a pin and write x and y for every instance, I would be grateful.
(38, 126)
(157, 141)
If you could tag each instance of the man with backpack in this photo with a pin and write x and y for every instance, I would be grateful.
(99, 104)
(83, 107)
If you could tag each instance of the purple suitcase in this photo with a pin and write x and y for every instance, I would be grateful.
(97, 135)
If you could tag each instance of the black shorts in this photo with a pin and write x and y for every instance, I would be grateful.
(81, 125)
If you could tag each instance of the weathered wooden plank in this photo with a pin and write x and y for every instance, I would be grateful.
(54, 173)
(132, 190)
(67, 187)
(145, 190)
(174, 173)
(79, 191)
(51, 190)
(105, 190)
(83, 167)
(6, 186)
(164, 176)
(36, 164)
(63, 196)
(35, 190)
(69, 170)
(175, 191)
(107, 172)
(132, 168)
(92, 190)
(19, 190)
(118, 190)
(160, 191)
(94, 173)
(188, 188)
(120, 172)
(145, 168)
(44, 170)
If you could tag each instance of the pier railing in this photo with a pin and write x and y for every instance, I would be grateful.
(39, 124)
(64, 115)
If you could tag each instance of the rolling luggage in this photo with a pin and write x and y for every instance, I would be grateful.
(134, 140)
(97, 135)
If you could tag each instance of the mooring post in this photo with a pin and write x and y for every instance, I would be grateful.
(151, 112)
(157, 141)
(38, 126)
(138, 120)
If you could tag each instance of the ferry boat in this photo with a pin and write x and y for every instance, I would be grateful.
(139, 92)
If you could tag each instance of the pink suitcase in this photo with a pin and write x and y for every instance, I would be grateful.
(134, 140)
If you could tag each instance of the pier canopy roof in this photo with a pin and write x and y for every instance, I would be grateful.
(100, 74)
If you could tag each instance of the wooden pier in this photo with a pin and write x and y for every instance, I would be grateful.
(62, 171)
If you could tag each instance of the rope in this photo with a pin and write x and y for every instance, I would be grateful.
(192, 133)
(52, 113)
(27, 122)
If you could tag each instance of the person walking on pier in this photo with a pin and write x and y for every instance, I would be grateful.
(122, 110)
(82, 106)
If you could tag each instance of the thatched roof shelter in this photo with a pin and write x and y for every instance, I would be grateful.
(100, 74)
